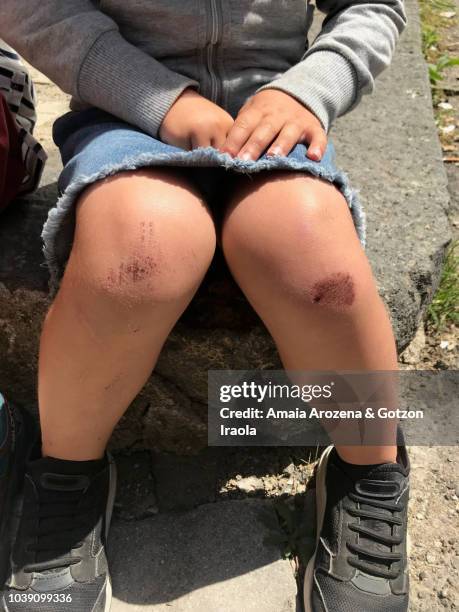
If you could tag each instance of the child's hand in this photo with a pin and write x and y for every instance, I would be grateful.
(193, 121)
(273, 119)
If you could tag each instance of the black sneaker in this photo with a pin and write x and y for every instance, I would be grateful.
(17, 435)
(360, 563)
(58, 562)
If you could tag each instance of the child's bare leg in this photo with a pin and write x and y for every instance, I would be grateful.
(143, 243)
(291, 245)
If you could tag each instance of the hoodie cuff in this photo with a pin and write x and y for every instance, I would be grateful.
(325, 82)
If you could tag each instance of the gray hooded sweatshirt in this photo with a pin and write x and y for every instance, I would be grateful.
(133, 58)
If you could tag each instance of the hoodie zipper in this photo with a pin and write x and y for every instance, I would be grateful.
(215, 32)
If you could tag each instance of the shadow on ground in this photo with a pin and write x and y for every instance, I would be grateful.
(184, 547)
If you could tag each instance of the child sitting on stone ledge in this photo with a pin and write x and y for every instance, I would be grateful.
(195, 124)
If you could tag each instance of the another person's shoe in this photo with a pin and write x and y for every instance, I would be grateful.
(360, 563)
(58, 560)
(17, 435)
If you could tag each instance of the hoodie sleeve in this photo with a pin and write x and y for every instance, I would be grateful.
(355, 45)
(81, 49)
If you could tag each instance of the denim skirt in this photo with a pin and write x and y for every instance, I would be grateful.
(95, 145)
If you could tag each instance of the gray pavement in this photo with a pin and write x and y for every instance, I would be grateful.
(210, 559)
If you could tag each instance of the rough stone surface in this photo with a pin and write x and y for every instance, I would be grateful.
(136, 495)
(185, 482)
(390, 149)
(412, 354)
(212, 558)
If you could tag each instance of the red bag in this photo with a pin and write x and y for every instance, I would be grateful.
(12, 169)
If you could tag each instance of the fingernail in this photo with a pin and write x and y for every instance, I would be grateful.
(246, 157)
(275, 151)
(315, 152)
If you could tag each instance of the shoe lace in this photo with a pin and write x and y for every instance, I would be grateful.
(62, 526)
(369, 559)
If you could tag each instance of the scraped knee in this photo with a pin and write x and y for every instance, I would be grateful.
(335, 291)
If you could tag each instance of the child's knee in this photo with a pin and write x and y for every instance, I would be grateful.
(168, 271)
(140, 254)
(297, 252)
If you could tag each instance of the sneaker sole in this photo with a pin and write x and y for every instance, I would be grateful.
(321, 503)
(25, 431)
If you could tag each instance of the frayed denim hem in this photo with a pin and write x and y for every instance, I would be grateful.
(58, 230)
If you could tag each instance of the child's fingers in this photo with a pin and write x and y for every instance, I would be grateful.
(317, 139)
(241, 130)
(289, 136)
(259, 140)
(200, 139)
(219, 139)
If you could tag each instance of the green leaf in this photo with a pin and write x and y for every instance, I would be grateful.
(447, 62)
(434, 74)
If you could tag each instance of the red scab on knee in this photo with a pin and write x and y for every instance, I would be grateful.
(337, 290)
(136, 269)
(130, 272)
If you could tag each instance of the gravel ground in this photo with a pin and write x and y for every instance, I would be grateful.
(434, 511)
(434, 519)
